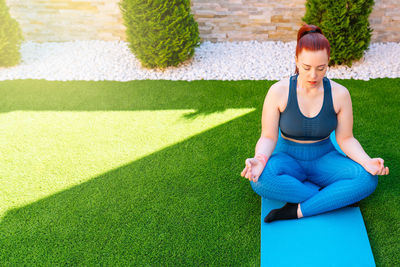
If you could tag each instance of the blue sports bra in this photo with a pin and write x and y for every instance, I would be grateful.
(294, 124)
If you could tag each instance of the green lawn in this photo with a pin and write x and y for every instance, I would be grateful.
(148, 172)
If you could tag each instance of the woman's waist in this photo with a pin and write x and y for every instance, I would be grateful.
(304, 151)
(302, 141)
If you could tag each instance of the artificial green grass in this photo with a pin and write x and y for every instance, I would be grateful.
(148, 172)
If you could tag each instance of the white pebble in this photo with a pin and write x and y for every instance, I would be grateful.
(247, 60)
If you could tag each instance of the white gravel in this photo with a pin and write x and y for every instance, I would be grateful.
(249, 60)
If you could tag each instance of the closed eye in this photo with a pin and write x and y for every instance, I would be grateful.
(307, 67)
(317, 69)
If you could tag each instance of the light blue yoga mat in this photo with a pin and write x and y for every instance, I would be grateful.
(335, 238)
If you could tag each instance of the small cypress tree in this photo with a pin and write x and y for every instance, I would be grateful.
(345, 24)
(10, 38)
(160, 33)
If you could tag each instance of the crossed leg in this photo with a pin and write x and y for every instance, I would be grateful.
(283, 179)
(344, 182)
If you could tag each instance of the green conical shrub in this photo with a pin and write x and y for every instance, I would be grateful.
(160, 33)
(10, 38)
(345, 24)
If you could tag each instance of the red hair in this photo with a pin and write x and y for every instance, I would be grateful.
(313, 41)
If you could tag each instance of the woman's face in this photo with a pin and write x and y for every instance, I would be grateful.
(312, 67)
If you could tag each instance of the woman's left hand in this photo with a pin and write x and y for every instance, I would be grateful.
(375, 167)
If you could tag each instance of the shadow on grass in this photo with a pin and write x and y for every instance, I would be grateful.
(204, 96)
(184, 205)
(174, 207)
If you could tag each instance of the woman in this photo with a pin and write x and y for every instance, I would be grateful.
(307, 107)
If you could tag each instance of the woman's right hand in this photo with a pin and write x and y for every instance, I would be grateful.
(253, 169)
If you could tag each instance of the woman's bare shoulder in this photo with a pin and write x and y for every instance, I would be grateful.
(339, 95)
(279, 91)
(338, 88)
(281, 87)
(339, 91)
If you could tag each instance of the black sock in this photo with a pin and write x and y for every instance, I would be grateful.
(289, 211)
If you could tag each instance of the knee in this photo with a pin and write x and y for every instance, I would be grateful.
(263, 183)
(372, 181)
(255, 186)
(368, 181)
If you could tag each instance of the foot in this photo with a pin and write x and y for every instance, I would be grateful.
(289, 211)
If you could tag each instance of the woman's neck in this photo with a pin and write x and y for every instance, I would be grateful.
(306, 88)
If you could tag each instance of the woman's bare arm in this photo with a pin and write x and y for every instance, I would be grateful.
(269, 121)
(350, 146)
(344, 130)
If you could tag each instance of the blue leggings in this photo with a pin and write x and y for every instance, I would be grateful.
(295, 172)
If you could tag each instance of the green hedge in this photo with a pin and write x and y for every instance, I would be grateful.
(345, 24)
(160, 33)
(10, 38)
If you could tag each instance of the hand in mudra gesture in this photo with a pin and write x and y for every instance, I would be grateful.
(253, 169)
(375, 167)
